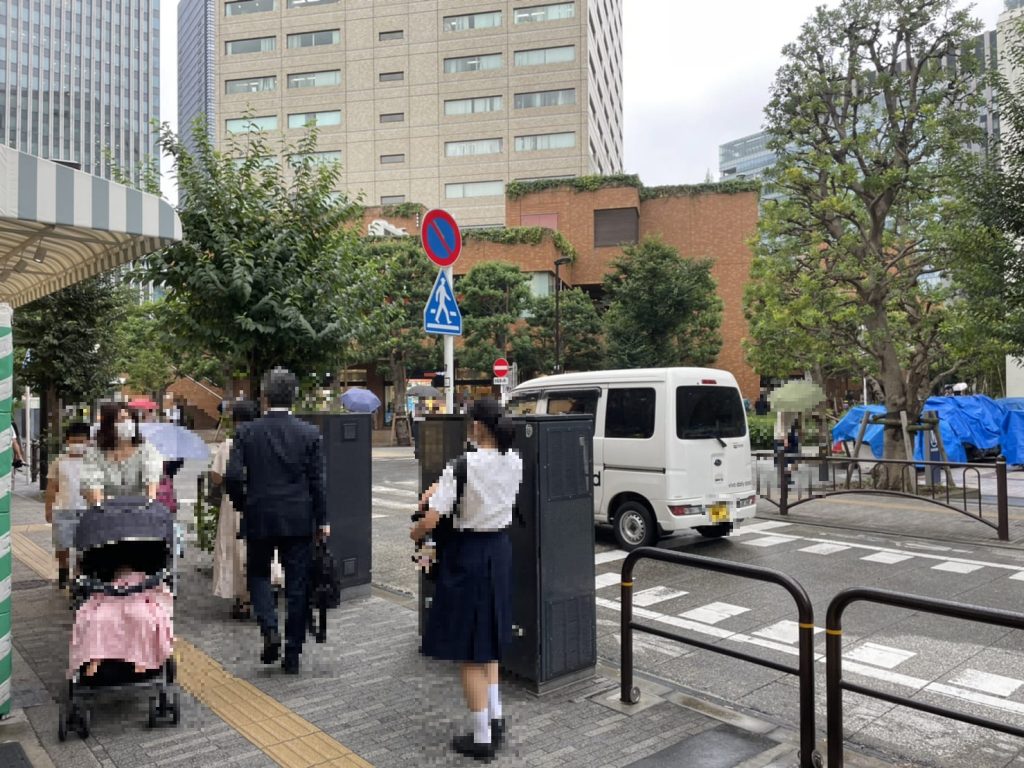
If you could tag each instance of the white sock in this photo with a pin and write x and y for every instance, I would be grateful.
(494, 701)
(481, 727)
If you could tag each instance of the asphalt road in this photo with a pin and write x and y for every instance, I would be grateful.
(956, 664)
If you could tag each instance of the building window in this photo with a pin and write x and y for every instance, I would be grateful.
(315, 79)
(388, 77)
(395, 34)
(474, 147)
(393, 117)
(239, 7)
(251, 85)
(308, 3)
(473, 63)
(545, 141)
(546, 220)
(487, 20)
(549, 12)
(391, 159)
(559, 55)
(469, 106)
(630, 413)
(245, 124)
(392, 199)
(474, 189)
(319, 119)
(560, 98)
(616, 226)
(317, 158)
(251, 45)
(310, 39)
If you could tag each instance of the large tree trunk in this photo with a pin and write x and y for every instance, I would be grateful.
(901, 395)
(399, 434)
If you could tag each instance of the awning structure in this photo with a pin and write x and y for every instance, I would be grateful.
(59, 226)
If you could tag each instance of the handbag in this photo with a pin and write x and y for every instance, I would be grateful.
(215, 493)
(430, 549)
(165, 494)
(324, 590)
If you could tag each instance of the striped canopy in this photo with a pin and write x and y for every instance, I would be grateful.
(59, 226)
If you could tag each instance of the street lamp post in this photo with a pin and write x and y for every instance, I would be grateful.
(559, 263)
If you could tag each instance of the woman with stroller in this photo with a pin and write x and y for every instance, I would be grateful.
(470, 620)
(121, 464)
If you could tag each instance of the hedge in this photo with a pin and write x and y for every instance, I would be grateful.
(517, 189)
(522, 236)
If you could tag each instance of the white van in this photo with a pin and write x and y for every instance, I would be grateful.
(671, 447)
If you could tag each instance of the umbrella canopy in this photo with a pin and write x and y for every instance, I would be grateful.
(174, 442)
(359, 400)
(142, 403)
(423, 390)
(797, 397)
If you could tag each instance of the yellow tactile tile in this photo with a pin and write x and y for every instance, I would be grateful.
(313, 750)
(34, 556)
(30, 528)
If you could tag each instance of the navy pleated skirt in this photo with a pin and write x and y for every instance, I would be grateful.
(470, 618)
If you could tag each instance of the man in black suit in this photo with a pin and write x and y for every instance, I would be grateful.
(275, 476)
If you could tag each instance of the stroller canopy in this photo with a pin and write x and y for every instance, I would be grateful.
(123, 520)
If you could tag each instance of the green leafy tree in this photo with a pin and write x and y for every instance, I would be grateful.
(494, 298)
(582, 345)
(663, 310)
(871, 125)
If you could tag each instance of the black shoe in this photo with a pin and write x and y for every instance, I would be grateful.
(465, 745)
(271, 647)
(498, 732)
(62, 578)
(290, 665)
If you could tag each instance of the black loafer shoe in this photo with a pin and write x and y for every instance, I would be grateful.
(290, 665)
(271, 647)
(465, 745)
(498, 732)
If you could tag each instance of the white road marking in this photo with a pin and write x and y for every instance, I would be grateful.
(656, 595)
(767, 525)
(377, 517)
(955, 567)
(655, 643)
(610, 556)
(386, 504)
(607, 579)
(784, 632)
(986, 682)
(712, 613)
(825, 549)
(877, 655)
(394, 491)
(1018, 576)
(768, 541)
(889, 558)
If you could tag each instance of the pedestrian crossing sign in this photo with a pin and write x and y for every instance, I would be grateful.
(442, 315)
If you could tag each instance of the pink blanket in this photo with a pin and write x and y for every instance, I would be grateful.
(138, 628)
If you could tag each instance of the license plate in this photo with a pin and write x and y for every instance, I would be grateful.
(719, 513)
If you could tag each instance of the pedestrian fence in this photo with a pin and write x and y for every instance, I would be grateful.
(809, 756)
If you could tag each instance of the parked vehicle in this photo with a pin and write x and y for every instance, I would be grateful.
(671, 447)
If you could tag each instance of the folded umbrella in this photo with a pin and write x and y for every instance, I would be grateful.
(359, 400)
(174, 442)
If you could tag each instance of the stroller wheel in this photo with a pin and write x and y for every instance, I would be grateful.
(176, 708)
(62, 722)
(152, 711)
(84, 723)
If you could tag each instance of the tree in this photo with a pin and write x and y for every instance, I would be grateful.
(582, 346)
(662, 309)
(494, 298)
(871, 117)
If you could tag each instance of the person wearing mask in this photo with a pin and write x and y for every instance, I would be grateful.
(121, 464)
(276, 479)
(64, 501)
(470, 619)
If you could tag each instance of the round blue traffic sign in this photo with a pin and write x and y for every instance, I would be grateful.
(441, 237)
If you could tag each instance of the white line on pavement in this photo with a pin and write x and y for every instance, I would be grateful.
(654, 595)
(784, 632)
(394, 491)
(877, 655)
(986, 682)
(610, 556)
(712, 613)
(607, 579)
(769, 541)
(957, 567)
(825, 549)
(889, 558)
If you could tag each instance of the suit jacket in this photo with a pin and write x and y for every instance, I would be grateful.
(276, 476)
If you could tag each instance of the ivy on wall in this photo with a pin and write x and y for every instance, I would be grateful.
(517, 189)
(522, 236)
(731, 187)
(403, 210)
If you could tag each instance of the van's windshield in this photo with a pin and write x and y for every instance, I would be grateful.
(709, 412)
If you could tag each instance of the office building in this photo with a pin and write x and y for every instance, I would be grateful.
(195, 67)
(440, 103)
(745, 158)
(81, 81)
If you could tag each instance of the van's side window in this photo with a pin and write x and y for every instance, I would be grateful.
(630, 413)
(573, 402)
(524, 404)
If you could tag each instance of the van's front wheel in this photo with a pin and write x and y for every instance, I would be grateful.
(715, 531)
(634, 526)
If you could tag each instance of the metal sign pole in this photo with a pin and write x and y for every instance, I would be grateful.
(449, 360)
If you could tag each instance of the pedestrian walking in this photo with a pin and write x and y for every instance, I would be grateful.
(64, 500)
(275, 477)
(122, 463)
(470, 619)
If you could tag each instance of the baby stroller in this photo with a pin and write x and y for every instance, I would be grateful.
(136, 539)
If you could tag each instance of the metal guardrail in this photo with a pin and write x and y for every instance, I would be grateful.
(835, 684)
(629, 694)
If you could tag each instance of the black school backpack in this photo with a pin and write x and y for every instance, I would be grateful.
(444, 531)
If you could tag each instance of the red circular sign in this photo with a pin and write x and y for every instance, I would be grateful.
(501, 367)
(441, 237)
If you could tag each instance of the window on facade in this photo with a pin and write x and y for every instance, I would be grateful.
(251, 45)
(251, 85)
(546, 220)
(310, 39)
(392, 199)
(486, 20)
(244, 124)
(559, 98)
(630, 413)
(615, 226)
(393, 117)
(391, 159)
(473, 63)
(545, 141)
(474, 189)
(395, 34)
(239, 7)
(549, 12)
(320, 119)
(387, 77)
(317, 158)
(315, 79)
(469, 106)
(308, 3)
(559, 55)
(473, 147)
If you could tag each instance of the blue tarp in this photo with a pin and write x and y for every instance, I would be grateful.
(1012, 438)
(849, 426)
(1012, 403)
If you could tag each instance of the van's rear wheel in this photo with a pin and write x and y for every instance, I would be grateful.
(634, 526)
(715, 531)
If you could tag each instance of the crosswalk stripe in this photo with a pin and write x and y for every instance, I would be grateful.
(986, 682)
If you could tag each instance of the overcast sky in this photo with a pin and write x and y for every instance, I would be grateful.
(697, 75)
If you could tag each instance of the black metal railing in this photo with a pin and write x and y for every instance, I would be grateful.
(629, 694)
(835, 684)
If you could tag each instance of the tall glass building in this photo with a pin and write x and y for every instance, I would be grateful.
(195, 67)
(80, 80)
